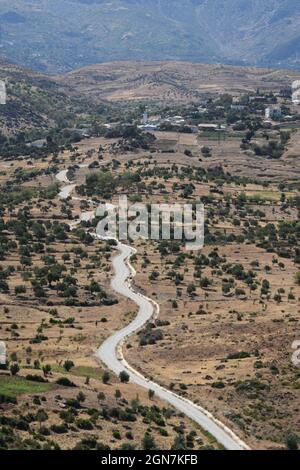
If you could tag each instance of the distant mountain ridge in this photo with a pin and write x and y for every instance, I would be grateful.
(62, 35)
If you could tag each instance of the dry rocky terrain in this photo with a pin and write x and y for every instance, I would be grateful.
(228, 313)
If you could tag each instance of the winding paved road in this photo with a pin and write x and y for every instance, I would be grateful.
(110, 352)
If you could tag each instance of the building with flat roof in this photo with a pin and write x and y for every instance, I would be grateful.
(273, 112)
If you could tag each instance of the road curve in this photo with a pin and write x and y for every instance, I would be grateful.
(110, 352)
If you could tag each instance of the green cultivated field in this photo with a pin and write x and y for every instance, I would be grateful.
(14, 386)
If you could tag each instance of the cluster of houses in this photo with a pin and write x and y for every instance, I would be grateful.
(268, 105)
(291, 93)
(155, 123)
(272, 111)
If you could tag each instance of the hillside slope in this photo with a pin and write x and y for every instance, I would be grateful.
(34, 101)
(168, 81)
